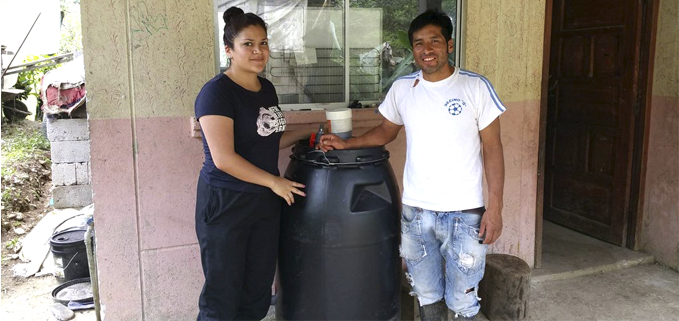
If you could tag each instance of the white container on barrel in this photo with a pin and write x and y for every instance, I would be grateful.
(339, 122)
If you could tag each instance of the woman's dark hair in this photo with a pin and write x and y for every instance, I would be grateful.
(236, 20)
(431, 17)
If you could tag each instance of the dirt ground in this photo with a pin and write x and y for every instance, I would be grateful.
(29, 298)
(26, 298)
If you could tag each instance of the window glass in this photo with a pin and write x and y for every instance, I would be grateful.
(313, 41)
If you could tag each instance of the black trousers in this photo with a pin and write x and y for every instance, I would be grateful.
(238, 237)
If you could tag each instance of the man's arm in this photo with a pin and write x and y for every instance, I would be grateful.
(383, 134)
(494, 166)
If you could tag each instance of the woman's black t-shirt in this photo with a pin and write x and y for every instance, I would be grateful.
(258, 125)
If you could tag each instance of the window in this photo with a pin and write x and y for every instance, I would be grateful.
(328, 53)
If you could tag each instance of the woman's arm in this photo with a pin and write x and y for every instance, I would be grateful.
(218, 131)
(291, 137)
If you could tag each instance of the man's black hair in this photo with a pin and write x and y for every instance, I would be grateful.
(431, 17)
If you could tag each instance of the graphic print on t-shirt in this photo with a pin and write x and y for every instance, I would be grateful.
(270, 120)
(455, 106)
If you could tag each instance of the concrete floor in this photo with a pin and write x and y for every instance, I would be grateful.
(586, 279)
(644, 292)
(567, 254)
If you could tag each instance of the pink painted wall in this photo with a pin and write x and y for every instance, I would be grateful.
(660, 229)
(145, 62)
(520, 135)
(504, 42)
(117, 235)
(148, 259)
(660, 235)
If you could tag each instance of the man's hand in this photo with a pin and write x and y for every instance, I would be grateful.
(330, 142)
(383, 134)
(491, 225)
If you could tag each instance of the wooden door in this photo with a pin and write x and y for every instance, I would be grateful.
(592, 95)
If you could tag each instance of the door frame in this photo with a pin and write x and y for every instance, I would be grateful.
(646, 30)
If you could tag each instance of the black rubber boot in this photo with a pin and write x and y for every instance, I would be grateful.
(434, 312)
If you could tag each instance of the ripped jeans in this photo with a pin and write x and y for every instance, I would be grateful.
(430, 239)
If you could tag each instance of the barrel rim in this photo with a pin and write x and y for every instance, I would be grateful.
(55, 242)
(345, 157)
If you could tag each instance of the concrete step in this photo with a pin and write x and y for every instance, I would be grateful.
(568, 254)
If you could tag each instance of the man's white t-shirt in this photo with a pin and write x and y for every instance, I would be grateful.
(444, 169)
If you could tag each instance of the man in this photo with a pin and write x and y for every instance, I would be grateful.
(449, 115)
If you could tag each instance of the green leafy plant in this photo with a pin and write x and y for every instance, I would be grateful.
(406, 65)
(30, 80)
(21, 144)
(71, 31)
(12, 243)
(403, 40)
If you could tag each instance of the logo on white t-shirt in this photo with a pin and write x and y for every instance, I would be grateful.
(270, 120)
(455, 106)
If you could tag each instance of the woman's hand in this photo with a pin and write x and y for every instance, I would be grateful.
(285, 188)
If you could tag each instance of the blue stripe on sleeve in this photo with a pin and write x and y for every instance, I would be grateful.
(493, 94)
(409, 76)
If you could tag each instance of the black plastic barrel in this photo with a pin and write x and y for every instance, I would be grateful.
(70, 255)
(339, 255)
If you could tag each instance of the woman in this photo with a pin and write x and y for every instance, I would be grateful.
(238, 199)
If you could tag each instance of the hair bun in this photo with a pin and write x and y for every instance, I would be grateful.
(232, 12)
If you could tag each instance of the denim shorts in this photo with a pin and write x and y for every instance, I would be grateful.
(445, 257)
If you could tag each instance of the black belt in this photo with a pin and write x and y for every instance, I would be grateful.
(477, 211)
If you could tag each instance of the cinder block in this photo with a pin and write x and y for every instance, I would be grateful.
(63, 174)
(72, 196)
(67, 130)
(71, 152)
(82, 173)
